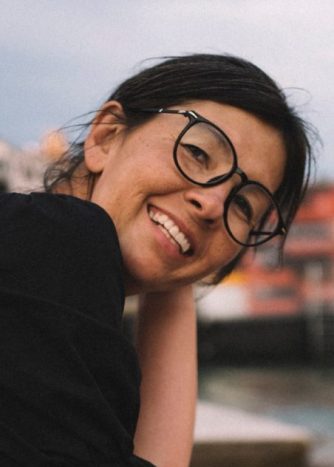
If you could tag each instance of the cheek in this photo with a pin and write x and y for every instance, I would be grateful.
(154, 147)
(221, 253)
(148, 165)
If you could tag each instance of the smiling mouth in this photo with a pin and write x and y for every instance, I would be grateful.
(171, 231)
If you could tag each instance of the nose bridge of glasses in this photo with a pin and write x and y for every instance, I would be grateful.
(242, 175)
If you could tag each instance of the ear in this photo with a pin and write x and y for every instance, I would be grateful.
(106, 126)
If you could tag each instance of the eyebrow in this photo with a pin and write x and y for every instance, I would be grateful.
(218, 133)
(214, 130)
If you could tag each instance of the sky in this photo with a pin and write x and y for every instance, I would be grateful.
(62, 58)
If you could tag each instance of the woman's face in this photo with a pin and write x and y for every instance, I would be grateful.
(157, 212)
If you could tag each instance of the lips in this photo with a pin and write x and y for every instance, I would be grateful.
(171, 230)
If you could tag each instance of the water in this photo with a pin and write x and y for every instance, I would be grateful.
(295, 395)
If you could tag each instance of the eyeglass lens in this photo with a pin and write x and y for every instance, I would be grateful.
(203, 154)
(251, 215)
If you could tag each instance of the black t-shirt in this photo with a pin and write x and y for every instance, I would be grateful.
(69, 380)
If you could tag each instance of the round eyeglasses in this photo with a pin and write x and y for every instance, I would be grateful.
(205, 156)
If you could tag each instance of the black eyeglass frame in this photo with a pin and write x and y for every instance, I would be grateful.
(195, 118)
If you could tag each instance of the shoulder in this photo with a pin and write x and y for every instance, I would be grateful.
(60, 222)
(62, 242)
(62, 211)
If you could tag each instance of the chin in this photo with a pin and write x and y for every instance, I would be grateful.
(142, 281)
(139, 278)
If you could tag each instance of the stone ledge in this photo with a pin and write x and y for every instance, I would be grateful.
(226, 437)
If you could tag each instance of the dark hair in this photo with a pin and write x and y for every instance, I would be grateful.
(223, 79)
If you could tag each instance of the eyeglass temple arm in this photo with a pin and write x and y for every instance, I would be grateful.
(162, 110)
(281, 231)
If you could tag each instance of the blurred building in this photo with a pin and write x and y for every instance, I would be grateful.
(310, 249)
(21, 170)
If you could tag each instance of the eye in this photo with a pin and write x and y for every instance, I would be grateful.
(243, 208)
(197, 153)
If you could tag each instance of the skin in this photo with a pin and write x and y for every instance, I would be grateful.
(135, 172)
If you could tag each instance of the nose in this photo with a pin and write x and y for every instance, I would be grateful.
(207, 203)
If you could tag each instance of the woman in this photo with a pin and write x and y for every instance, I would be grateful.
(187, 165)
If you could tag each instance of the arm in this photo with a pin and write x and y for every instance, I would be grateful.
(167, 352)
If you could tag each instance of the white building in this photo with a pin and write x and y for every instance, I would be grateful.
(21, 170)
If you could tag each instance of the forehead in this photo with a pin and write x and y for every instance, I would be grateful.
(259, 146)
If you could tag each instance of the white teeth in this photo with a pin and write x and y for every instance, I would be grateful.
(171, 230)
(174, 230)
(168, 223)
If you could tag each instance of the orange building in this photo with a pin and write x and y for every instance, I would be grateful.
(312, 234)
(306, 279)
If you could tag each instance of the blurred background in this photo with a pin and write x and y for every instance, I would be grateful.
(266, 335)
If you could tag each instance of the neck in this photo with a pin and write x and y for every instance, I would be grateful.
(131, 287)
